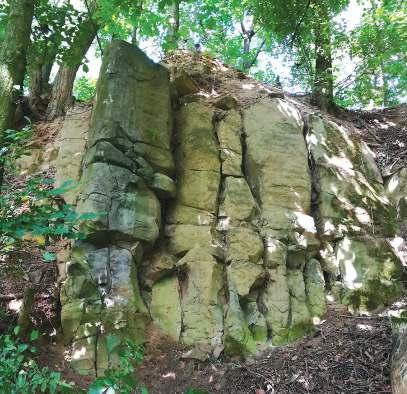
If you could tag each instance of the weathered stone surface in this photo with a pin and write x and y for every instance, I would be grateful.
(185, 237)
(130, 86)
(275, 253)
(201, 304)
(351, 196)
(237, 338)
(71, 140)
(277, 162)
(238, 203)
(244, 244)
(371, 272)
(300, 318)
(182, 214)
(196, 143)
(396, 188)
(157, 266)
(315, 288)
(165, 307)
(198, 189)
(276, 303)
(163, 186)
(128, 157)
(229, 133)
(256, 322)
(124, 204)
(243, 275)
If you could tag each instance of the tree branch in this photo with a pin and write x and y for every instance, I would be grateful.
(297, 27)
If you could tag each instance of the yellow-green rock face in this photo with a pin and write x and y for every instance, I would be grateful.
(165, 307)
(217, 218)
(277, 161)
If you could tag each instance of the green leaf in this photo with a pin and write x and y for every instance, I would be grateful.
(16, 330)
(48, 257)
(196, 391)
(34, 335)
(112, 342)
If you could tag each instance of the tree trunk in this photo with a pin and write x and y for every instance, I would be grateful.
(322, 91)
(13, 58)
(172, 37)
(24, 321)
(39, 88)
(61, 96)
(399, 358)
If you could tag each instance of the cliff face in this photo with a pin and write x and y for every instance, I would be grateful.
(225, 213)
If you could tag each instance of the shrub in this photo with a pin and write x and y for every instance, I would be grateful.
(84, 89)
(20, 374)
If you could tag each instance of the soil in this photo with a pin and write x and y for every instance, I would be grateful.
(346, 354)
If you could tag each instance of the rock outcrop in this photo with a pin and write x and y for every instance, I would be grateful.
(222, 218)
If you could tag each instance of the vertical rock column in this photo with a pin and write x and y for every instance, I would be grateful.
(245, 327)
(190, 227)
(276, 167)
(126, 171)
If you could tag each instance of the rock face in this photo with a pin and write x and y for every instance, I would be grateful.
(216, 221)
(128, 153)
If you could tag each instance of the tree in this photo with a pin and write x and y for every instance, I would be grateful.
(379, 47)
(13, 63)
(54, 25)
(305, 28)
(61, 96)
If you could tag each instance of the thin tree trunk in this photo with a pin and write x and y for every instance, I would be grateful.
(13, 58)
(24, 321)
(39, 88)
(61, 96)
(173, 33)
(322, 91)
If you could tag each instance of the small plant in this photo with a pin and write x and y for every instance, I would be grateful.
(120, 379)
(20, 374)
(84, 89)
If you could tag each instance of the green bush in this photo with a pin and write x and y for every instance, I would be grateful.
(121, 379)
(20, 374)
(84, 89)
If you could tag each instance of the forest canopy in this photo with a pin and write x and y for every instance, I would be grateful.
(338, 62)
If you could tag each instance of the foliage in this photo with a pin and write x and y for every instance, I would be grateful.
(54, 26)
(84, 89)
(379, 48)
(20, 374)
(34, 211)
(120, 379)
